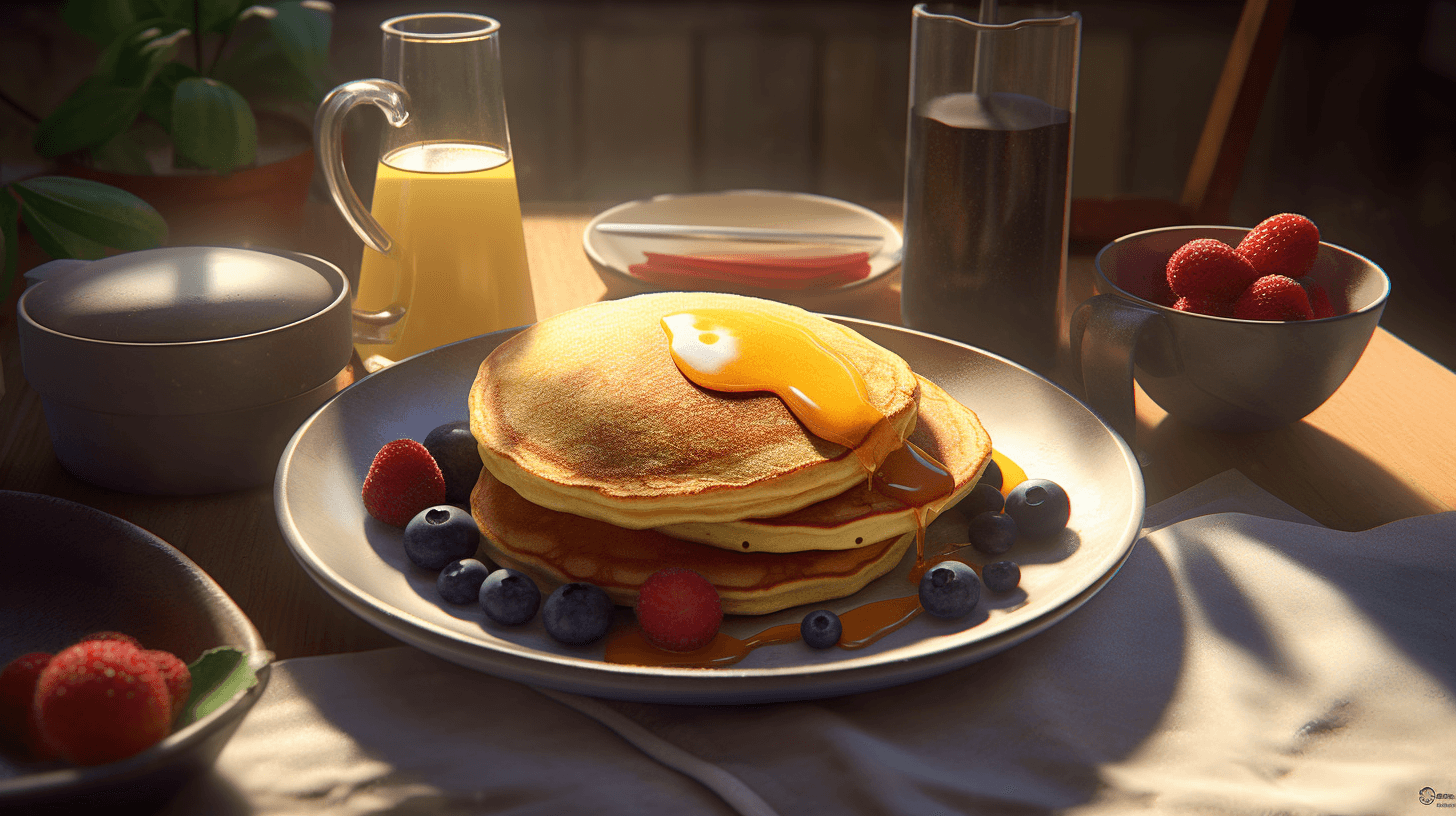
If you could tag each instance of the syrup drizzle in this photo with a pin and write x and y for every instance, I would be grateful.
(728, 350)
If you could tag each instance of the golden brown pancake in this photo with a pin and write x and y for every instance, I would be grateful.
(554, 547)
(945, 429)
(587, 413)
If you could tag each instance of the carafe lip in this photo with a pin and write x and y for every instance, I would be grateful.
(948, 11)
(482, 27)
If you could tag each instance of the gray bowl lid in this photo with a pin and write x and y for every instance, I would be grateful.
(179, 294)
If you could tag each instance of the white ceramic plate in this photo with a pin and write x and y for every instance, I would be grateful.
(361, 563)
(613, 254)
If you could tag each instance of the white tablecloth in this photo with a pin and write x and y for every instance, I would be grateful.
(1244, 660)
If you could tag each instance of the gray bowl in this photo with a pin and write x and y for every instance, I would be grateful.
(67, 570)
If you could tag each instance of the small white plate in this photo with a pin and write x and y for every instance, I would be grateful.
(766, 209)
(1045, 430)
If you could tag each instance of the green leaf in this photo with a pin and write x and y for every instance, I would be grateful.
(97, 213)
(212, 125)
(90, 117)
(99, 21)
(57, 241)
(10, 237)
(139, 52)
(157, 103)
(217, 676)
(303, 36)
(219, 16)
(124, 154)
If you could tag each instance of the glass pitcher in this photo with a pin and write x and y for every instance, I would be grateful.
(444, 253)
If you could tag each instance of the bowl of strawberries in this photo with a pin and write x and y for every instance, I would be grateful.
(124, 668)
(1225, 328)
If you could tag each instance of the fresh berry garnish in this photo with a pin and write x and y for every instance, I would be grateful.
(678, 609)
(1001, 576)
(949, 589)
(1319, 300)
(983, 498)
(821, 629)
(175, 674)
(19, 728)
(577, 613)
(1284, 244)
(991, 475)
(102, 700)
(1205, 306)
(460, 581)
(1209, 269)
(402, 481)
(992, 533)
(1040, 507)
(455, 451)
(107, 634)
(441, 534)
(1274, 297)
(509, 597)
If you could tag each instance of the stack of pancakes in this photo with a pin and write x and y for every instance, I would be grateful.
(604, 463)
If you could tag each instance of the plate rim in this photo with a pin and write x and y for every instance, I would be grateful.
(519, 663)
(895, 257)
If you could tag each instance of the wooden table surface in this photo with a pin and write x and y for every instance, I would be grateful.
(1382, 448)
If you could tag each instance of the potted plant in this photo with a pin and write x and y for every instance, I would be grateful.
(180, 105)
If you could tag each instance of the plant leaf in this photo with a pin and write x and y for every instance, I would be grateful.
(90, 117)
(57, 241)
(139, 52)
(157, 103)
(303, 36)
(10, 237)
(212, 125)
(217, 676)
(219, 16)
(99, 21)
(124, 154)
(95, 212)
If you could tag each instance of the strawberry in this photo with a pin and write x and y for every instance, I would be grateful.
(1284, 244)
(1319, 300)
(106, 634)
(1274, 297)
(100, 701)
(678, 609)
(18, 726)
(1204, 306)
(1209, 269)
(175, 674)
(402, 481)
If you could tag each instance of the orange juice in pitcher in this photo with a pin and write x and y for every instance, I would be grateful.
(459, 260)
(444, 255)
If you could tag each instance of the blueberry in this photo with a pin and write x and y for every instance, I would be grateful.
(456, 453)
(983, 498)
(459, 581)
(577, 613)
(440, 534)
(1001, 576)
(509, 597)
(821, 629)
(993, 533)
(949, 589)
(1040, 507)
(991, 475)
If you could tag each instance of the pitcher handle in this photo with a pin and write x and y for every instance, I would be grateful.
(1106, 332)
(328, 128)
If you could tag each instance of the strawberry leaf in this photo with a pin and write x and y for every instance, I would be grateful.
(218, 675)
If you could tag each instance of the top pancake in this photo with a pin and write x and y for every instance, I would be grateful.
(587, 413)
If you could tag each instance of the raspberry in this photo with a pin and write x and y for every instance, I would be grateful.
(1204, 306)
(1284, 244)
(1319, 300)
(1274, 297)
(678, 609)
(18, 726)
(403, 480)
(1209, 269)
(175, 674)
(100, 701)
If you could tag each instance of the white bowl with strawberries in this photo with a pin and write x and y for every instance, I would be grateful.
(1225, 328)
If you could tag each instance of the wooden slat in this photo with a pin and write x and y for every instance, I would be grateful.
(865, 112)
(757, 120)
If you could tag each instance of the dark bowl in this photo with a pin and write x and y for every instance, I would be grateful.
(67, 570)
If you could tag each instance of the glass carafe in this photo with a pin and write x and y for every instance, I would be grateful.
(444, 253)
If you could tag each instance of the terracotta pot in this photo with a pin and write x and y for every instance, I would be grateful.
(260, 206)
